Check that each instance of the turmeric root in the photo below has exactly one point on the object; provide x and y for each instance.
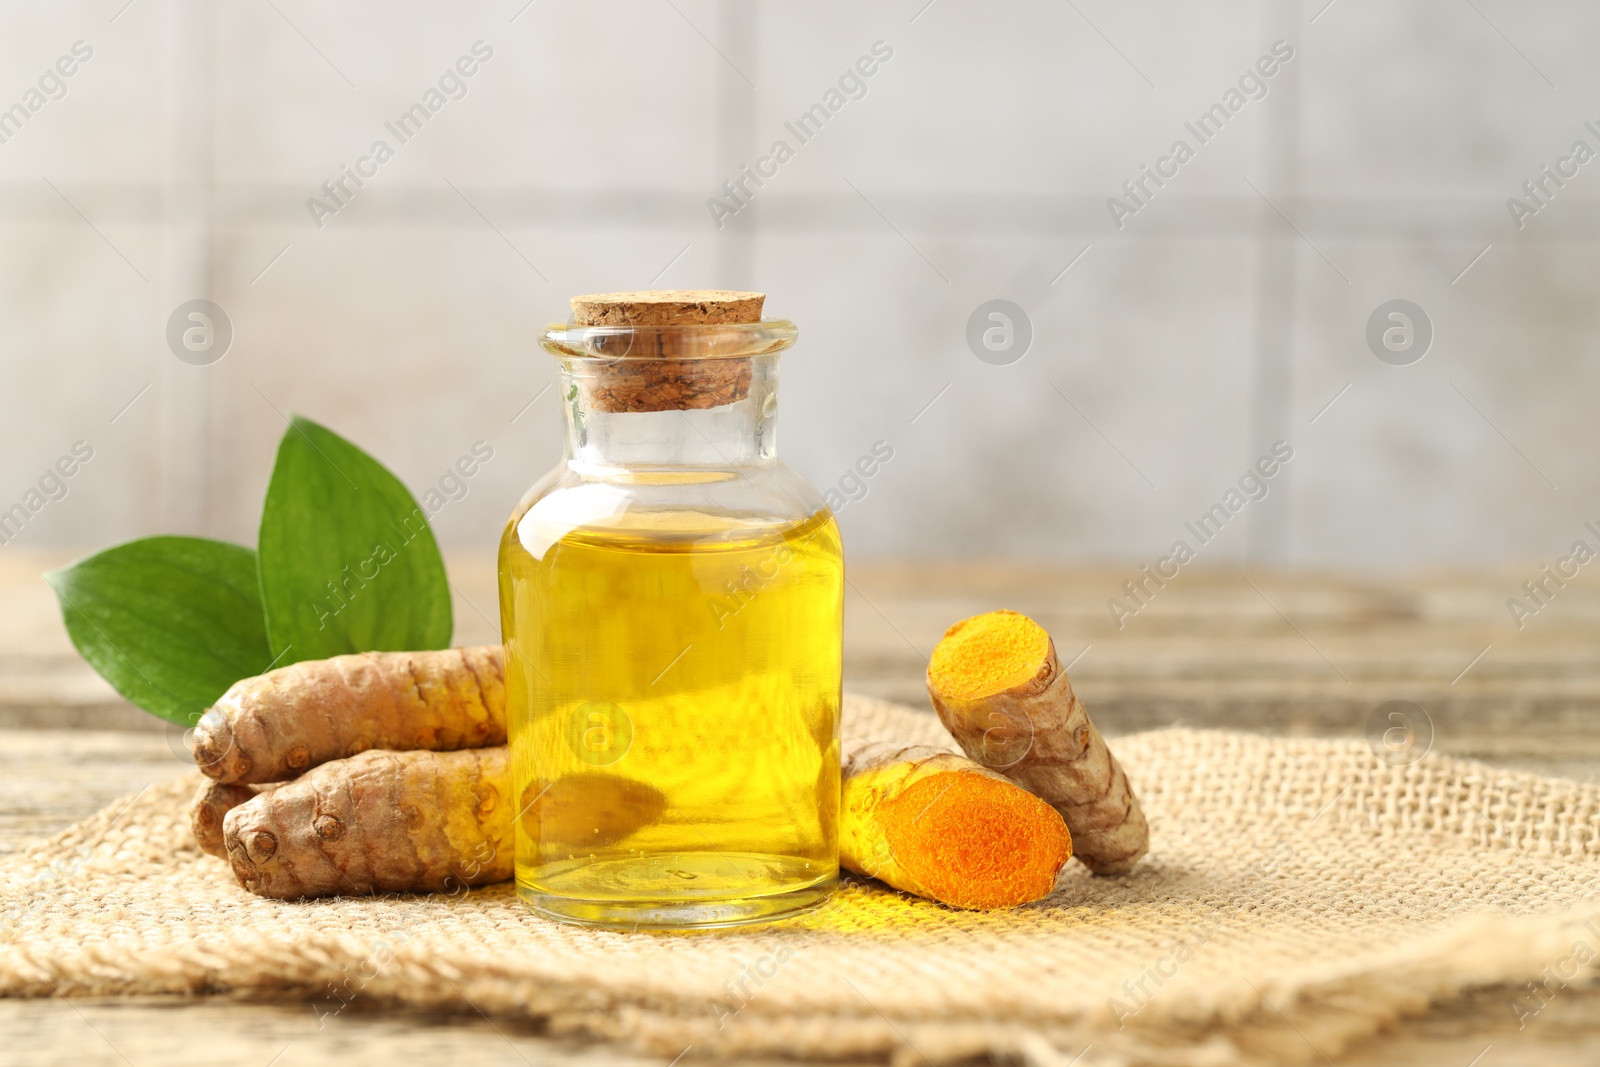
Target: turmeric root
(212, 801)
(1000, 691)
(273, 727)
(938, 825)
(588, 810)
(378, 822)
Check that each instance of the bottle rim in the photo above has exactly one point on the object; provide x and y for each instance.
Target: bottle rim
(696, 341)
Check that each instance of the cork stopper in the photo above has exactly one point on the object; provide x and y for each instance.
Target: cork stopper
(667, 307)
(656, 369)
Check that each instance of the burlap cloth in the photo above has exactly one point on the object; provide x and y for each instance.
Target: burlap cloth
(1297, 895)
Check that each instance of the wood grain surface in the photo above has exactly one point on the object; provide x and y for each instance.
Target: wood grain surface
(1290, 654)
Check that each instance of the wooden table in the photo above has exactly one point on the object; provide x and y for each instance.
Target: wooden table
(1299, 654)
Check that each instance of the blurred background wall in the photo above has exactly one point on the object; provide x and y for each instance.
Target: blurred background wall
(1228, 312)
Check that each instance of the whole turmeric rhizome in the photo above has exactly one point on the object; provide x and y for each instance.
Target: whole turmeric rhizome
(387, 772)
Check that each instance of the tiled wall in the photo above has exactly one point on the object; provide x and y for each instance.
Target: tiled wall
(1224, 315)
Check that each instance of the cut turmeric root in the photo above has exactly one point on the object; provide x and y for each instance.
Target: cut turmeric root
(279, 724)
(378, 822)
(999, 689)
(938, 825)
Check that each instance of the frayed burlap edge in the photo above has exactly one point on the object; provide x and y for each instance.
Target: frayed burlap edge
(1277, 1024)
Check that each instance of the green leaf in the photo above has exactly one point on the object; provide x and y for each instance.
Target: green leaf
(170, 622)
(348, 561)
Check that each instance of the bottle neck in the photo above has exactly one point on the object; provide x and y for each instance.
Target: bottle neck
(739, 433)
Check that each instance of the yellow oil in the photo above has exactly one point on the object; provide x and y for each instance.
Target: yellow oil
(673, 683)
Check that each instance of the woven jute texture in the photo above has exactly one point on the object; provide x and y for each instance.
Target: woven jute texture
(1298, 895)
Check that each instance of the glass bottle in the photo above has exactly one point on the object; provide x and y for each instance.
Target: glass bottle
(671, 602)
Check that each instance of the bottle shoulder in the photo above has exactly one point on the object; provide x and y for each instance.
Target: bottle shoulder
(681, 502)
